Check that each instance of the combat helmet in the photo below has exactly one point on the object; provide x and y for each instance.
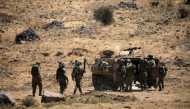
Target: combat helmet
(150, 56)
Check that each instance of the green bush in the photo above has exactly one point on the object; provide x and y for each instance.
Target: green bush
(104, 15)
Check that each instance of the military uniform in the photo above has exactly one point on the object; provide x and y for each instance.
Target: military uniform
(77, 75)
(128, 71)
(130, 68)
(61, 78)
(162, 73)
(36, 79)
(151, 80)
(123, 77)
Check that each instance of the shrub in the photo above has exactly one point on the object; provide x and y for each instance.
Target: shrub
(187, 2)
(104, 15)
(29, 101)
(182, 13)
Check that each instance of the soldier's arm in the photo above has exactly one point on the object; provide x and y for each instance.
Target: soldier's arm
(67, 80)
(57, 75)
(72, 75)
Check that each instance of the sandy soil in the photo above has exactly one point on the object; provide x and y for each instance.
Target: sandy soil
(157, 30)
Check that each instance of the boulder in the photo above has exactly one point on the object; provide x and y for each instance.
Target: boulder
(127, 5)
(78, 52)
(51, 97)
(6, 99)
(27, 35)
(87, 30)
(54, 24)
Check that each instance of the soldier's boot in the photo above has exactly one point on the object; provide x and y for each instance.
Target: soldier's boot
(34, 89)
(163, 84)
(40, 88)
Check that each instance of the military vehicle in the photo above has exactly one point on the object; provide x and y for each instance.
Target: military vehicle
(106, 73)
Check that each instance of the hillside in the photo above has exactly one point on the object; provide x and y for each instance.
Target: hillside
(159, 31)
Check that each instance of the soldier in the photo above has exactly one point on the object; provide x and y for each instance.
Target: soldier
(162, 73)
(130, 71)
(77, 75)
(152, 71)
(61, 77)
(151, 61)
(36, 78)
(123, 75)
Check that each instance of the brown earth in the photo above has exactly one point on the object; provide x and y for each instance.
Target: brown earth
(157, 30)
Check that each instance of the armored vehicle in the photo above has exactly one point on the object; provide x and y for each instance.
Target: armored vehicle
(106, 74)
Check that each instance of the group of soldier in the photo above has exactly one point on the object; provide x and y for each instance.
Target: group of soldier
(61, 77)
(148, 72)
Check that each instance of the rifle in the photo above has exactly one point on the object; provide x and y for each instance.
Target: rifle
(131, 50)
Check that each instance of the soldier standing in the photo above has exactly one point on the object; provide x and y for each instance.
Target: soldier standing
(61, 77)
(36, 78)
(77, 75)
(130, 73)
(151, 80)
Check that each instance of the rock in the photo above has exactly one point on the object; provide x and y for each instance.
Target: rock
(6, 18)
(4, 72)
(58, 53)
(77, 52)
(27, 35)
(87, 30)
(127, 5)
(45, 54)
(155, 3)
(51, 97)
(29, 101)
(53, 24)
(6, 99)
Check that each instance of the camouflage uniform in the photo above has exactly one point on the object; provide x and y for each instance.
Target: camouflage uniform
(151, 80)
(123, 78)
(77, 76)
(62, 78)
(128, 70)
(162, 73)
(36, 79)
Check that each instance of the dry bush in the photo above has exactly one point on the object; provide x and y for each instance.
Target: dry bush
(104, 15)
(182, 13)
(187, 2)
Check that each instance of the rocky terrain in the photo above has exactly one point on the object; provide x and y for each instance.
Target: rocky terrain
(162, 31)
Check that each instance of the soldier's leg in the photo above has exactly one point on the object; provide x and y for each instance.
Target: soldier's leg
(160, 86)
(131, 86)
(40, 88)
(34, 85)
(75, 90)
(163, 84)
(80, 89)
(79, 86)
(61, 88)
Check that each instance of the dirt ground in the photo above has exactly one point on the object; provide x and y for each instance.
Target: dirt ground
(157, 30)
